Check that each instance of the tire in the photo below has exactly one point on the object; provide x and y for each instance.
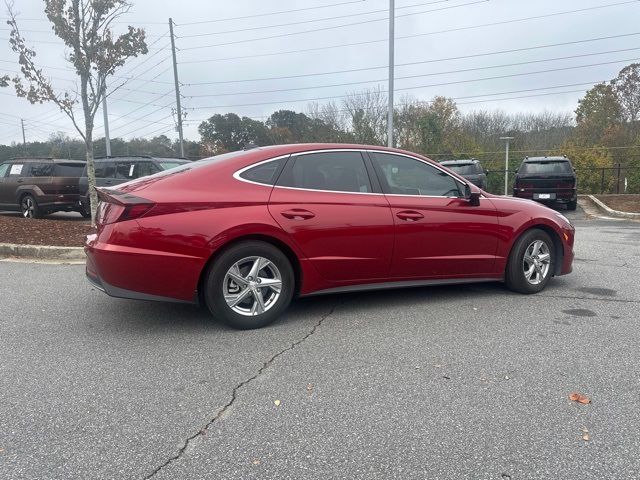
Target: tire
(522, 275)
(572, 205)
(232, 273)
(84, 213)
(29, 207)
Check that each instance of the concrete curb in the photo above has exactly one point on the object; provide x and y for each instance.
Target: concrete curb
(42, 252)
(611, 212)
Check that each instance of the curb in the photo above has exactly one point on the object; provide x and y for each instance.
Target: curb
(611, 212)
(42, 252)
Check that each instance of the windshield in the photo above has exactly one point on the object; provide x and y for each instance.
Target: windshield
(168, 165)
(464, 169)
(546, 167)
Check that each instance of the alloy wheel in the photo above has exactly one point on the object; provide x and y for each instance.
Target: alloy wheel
(536, 262)
(252, 286)
(28, 207)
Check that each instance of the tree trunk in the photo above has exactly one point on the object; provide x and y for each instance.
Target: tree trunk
(91, 177)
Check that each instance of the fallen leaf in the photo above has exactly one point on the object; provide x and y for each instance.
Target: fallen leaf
(586, 437)
(276, 403)
(580, 398)
(309, 387)
(256, 461)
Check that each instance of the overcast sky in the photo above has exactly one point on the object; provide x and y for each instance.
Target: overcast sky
(436, 31)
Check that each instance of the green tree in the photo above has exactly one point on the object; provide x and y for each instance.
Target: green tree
(598, 111)
(589, 164)
(94, 51)
(229, 132)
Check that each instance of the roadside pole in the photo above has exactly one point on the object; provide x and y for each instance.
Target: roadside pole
(24, 139)
(105, 114)
(177, 87)
(392, 15)
(506, 165)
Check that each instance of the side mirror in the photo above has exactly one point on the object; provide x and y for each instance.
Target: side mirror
(472, 197)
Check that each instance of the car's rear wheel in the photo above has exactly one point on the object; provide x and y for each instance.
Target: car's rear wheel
(249, 285)
(531, 262)
(29, 207)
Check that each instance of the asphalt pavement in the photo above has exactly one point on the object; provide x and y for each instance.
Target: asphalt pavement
(443, 383)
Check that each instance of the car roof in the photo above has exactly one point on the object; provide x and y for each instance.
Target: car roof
(546, 159)
(45, 159)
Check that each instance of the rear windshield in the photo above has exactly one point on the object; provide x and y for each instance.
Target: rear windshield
(464, 169)
(69, 169)
(546, 167)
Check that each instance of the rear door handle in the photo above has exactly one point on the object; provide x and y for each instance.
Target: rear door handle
(20, 180)
(298, 214)
(409, 215)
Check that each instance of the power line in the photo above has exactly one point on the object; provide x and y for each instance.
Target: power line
(460, 57)
(280, 35)
(260, 15)
(423, 86)
(315, 20)
(504, 22)
(412, 76)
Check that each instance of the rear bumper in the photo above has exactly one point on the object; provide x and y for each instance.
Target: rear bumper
(140, 274)
(556, 195)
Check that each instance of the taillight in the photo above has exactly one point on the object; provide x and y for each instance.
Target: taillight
(118, 208)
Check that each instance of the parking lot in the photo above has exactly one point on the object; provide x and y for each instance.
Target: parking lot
(448, 382)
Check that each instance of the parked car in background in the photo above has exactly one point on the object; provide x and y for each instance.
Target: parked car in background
(39, 186)
(550, 180)
(470, 169)
(115, 170)
(245, 232)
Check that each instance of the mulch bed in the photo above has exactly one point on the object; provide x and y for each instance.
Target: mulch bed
(61, 233)
(622, 203)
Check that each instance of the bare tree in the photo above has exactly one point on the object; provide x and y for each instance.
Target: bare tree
(85, 27)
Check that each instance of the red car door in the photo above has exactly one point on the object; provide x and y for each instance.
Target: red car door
(438, 233)
(326, 203)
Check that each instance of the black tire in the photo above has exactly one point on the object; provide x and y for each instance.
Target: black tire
(29, 207)
(84, 213)
(572, 205)
(515, 277)
(214, 283)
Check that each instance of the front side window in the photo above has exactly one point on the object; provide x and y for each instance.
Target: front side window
(105, 169)
(334, 171)
(125, 170)
(17, 170)
(264, 173)
(408, 176)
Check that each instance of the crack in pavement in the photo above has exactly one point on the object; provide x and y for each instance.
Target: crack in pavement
(570, 297)
(234, 394)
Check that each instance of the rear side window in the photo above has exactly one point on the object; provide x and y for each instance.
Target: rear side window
(333, 171)
(464, 169)
(105, 169)
(132, 170)
(168, 165)
(561, 166)
(69, 169)
(41, 170)
(264, 173)
(4, 168)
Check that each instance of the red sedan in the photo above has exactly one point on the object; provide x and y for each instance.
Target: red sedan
(245, 232)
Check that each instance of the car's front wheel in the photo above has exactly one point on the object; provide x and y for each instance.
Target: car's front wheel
(29, 207)
(249, 285)
(531, 262)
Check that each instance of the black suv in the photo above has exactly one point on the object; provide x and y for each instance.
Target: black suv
(470, 169)
(115, 170)
(547, 180)
(39, 186)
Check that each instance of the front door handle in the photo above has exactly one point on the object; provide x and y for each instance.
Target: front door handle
(20, 180)
(409, 215)
(297, 214)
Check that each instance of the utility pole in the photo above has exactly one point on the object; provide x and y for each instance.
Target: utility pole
(392, 18)
(24, 139)
(177, 85)
(107, 140)
(506, 165)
